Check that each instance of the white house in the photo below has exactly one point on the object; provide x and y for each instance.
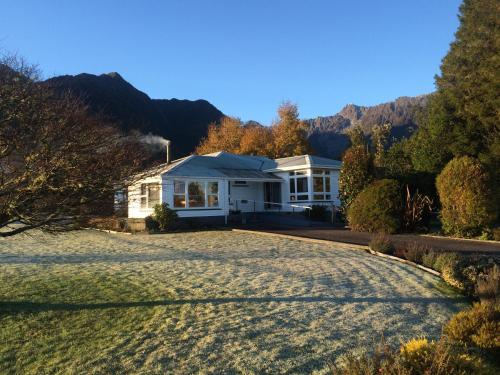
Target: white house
(220, 183)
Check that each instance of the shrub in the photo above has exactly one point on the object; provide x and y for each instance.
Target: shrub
(164, 216)
(416, 210)
(377, 208)
(416, 357)
(151, 224)
(496, 234)
(429, 259)
(477, 326)
(488, 285)
(414, 252)
(317, 212)
(466, 200)
(382, 244)
(443, 259)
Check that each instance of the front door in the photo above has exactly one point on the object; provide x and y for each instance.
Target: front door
(272, 195)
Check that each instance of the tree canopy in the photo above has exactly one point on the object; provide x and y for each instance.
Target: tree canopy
(286, 137)
(58, 165)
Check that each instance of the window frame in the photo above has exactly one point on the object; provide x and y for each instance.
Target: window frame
(145, 195)
(206, 194)
(326, 192)
(293, 177)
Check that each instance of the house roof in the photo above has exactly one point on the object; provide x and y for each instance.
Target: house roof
(238, 167)
(304, 161)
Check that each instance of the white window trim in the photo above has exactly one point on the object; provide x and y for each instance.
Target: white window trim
(292, 179)
(147, 208)
(325, 192)
(186, 195)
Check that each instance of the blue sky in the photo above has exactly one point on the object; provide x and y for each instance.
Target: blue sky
(245, 57)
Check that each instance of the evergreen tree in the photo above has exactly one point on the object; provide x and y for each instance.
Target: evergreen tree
(464, 115)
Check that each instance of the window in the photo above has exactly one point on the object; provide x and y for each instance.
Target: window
(298, 186)
(321, 185)
(213, 194)
(150, 195)
(196, 194)
(179, 194)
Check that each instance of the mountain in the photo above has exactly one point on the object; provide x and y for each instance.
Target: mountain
(328, 135)
(184, 122)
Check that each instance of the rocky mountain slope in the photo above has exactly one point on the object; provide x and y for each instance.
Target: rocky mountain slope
(184, 122)
(328, 137)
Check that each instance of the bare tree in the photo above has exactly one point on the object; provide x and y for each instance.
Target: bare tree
(58, 164)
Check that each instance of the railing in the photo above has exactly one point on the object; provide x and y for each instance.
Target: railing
(255, 202)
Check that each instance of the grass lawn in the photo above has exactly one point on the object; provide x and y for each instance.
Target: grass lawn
(202, 302)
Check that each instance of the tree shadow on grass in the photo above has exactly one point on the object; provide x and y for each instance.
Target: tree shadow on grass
(9, 307)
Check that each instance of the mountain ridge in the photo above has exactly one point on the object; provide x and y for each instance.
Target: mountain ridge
(185, 122)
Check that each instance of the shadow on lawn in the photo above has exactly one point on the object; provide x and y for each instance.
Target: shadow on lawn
(7, 307)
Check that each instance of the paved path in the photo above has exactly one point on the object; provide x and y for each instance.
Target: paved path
(399, 240)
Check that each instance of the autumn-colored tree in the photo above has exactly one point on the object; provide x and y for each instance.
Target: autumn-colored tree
(287, 137)
(289, 133)
(225, 136)
(257, 140)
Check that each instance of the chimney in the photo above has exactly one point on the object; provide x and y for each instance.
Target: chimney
(169, 153)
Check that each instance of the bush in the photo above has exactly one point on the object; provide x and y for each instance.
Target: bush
(488, 285)
(416, 357)
(429, 259)
(164, 216)
(466, 201)
(478, 326)
(414, 252)
(377, 208)
(317, 212)
(382, 244)
(151, 224)
(496, 234)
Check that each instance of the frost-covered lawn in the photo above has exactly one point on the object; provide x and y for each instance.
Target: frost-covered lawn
(202, 302)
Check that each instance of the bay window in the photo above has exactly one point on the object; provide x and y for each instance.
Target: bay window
(196, 194)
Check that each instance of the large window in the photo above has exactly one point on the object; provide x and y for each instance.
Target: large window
(196, 194)
(150, 195)
(298, 186)
(321, 185)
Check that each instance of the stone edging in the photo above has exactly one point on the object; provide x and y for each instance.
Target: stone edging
(343, 245)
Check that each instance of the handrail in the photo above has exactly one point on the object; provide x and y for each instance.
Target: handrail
(276, 204)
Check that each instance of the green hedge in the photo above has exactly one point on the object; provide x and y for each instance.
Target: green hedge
(377, 208)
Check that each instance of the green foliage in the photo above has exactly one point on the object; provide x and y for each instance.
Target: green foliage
(416, 357)
(355, 175)
(488, 285)
(164, 216)
(382, 243)
(477, 326)
(317, 212)
(377, 208)
(467, 205)
(151, 224)
(414, 252)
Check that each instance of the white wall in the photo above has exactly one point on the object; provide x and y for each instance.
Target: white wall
(285, 192)
(134, 199)
(252, 193)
